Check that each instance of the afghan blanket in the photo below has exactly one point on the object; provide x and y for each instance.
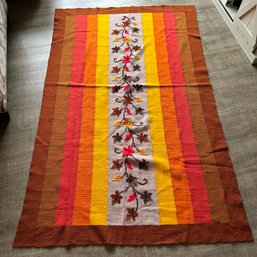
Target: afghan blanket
(129, 149)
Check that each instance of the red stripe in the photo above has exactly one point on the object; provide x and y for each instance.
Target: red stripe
(191, 159)
(71, 146)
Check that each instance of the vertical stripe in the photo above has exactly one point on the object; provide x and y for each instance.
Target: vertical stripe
(211, 174)
(166, 202)
(81, 212)
(53, 165)
(191, 159)
(180, 185)
(98, 208)
(71, 147)
(218, 142)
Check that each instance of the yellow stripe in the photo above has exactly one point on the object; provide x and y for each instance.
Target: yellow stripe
(98, 208)
(166, 202)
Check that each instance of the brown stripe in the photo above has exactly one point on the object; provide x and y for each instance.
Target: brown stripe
(135, 235)
(219, 146)
(211, 174)
(38, 164)
(56, 147)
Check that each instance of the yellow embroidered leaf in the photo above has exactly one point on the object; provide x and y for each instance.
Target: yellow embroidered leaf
(117, 123)
(135, 23)
(116, 78)
(117, 178)
(137, 57)
(139, 100)
(142, 152)
(116, 39)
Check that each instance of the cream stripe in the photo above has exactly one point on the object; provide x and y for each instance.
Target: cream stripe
(98, 209)
(166, 202)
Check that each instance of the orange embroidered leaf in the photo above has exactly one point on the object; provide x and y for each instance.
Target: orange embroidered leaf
(142, 152)
(138, 100)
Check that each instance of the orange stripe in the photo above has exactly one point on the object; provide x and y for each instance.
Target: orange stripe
(211, 174)
(81, 212)
(179, 176)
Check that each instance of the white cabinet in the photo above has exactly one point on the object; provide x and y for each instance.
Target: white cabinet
(243, 24)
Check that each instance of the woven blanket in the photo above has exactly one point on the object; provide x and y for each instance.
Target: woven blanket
(129, 148)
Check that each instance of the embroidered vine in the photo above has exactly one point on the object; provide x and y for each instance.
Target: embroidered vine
(127, 163)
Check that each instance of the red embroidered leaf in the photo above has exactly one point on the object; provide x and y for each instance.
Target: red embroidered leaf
(131, 198)
(129, 165)
(127, 151)
(126, 31)
(126, 59)
(126, 49)
(128, 111)
(126, 87)
(127, 137)
(126, 69)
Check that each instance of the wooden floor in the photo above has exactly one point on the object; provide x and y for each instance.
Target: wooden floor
(235, 85)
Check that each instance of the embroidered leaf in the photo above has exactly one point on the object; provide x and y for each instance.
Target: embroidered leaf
(136, 48)
(129, 165)
(116, 39)
(143, 165)
(131, 198)
(135, 30)
(131, 214)
(126, 87)
(136, 67)
(126, 49)
(115, 32)
(126, 40)
(142, 138)
(138, 100)
(146, 197)
(126, 59)
(115, 69)
(135, 23)
(139, 88)
(125, 23)
(115, 89)
(139, 110)
(116, 197)
(127, 151)
(128, 111)
(117, 123)
(143, 152)
(117, 178)
(126, 69)
(116, 165)
(131, 180)
(137, 57)
(116, 111)
(126, 31)
(127, 99)
(116, 78)
(127, 137)
(115, 49)
(117, 138)
(128, 123)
